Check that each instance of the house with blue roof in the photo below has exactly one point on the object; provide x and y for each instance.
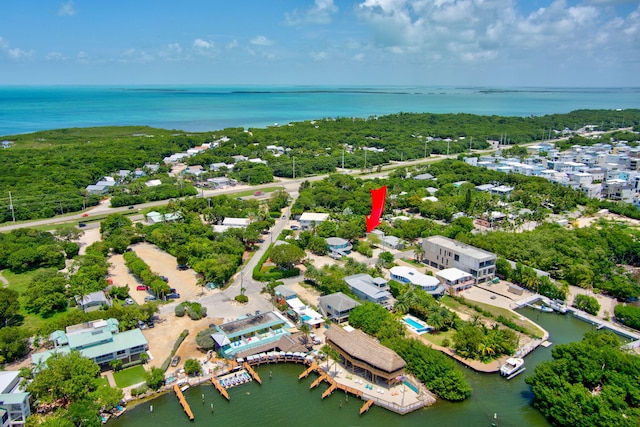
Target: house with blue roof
(14, 401)
(259, 330)
(99, 340)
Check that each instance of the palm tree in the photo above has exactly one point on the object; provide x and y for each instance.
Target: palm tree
(306, 330)
(418, 252)
(332, 354)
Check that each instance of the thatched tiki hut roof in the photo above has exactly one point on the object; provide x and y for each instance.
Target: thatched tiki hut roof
(362, 351)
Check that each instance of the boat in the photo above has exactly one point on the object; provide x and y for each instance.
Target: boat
(184, 387)
(543, 308)
(558, 306)
(513, 364)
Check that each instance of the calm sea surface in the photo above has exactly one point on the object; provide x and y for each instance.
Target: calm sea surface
(33, 108)
(285, 401)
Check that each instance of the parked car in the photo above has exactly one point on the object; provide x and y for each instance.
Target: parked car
(141, 288)
(150, 323)
(182, 267)
(173, 291)
(175, 361)
(82, 224)
(129, 301)
(131, 207)
(165, 278)
(142, 325)
(173, 296)
(149, 298)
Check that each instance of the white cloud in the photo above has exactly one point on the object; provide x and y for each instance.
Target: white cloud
(483, 31)
(201, 45)
(319, 56)
(15, 53)
(319, 13)
(54, 56)
(20, 54)
(232, 44)
(67, 9)
(261, 41)
(358, 57)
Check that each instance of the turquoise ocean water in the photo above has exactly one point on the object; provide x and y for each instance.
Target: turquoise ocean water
(32, 108)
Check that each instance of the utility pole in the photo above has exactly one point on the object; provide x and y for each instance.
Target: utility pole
(13, 214)
(343, 160)
(365, 159)
(448, 144)
(294, 168)
(425, 148)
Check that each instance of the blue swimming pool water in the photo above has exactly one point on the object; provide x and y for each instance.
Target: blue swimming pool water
(413, 323)
(411, 386)
(305, 317)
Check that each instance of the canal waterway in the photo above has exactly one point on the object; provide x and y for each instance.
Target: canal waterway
(282, 400)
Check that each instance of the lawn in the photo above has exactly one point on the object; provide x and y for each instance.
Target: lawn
(495, 311)
(439, 337)
(20, 283)
(252, 192)
(103, 381)
(130, 376)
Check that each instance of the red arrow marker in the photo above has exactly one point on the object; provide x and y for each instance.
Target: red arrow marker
(378, 197)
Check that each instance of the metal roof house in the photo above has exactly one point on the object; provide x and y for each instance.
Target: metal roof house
(455, 280)
(14, 401)
(429, 284)
(251, 331)
(98, 340)
(310, 219)
(92, 301)
(370, 289)
(336, 306)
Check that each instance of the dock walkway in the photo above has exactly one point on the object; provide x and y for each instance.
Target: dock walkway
(183, 401)
(219, 387)
(253, 373)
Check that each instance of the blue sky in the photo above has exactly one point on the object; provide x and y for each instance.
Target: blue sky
(321, 42)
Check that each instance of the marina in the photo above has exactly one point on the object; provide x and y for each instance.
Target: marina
(286, 393)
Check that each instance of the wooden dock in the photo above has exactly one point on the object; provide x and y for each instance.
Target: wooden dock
(253, 373)
(314, 367)
(317, 381)
(183, 401)
(219, 387)
(368, 404)
(351, 390)
(330, 390)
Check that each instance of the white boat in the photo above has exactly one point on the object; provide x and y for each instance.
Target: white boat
(558, 306)
(511, 365)
(542, 308)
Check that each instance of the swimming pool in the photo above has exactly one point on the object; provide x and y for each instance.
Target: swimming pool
(415, 325)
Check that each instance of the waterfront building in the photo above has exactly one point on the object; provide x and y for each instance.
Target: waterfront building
(365, 356)
(441, 252)
(455, 280)
(98, 340)
(14, 401)
(410, 275)
(260, 330)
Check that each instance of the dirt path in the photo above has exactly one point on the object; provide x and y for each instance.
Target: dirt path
(87, 238)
